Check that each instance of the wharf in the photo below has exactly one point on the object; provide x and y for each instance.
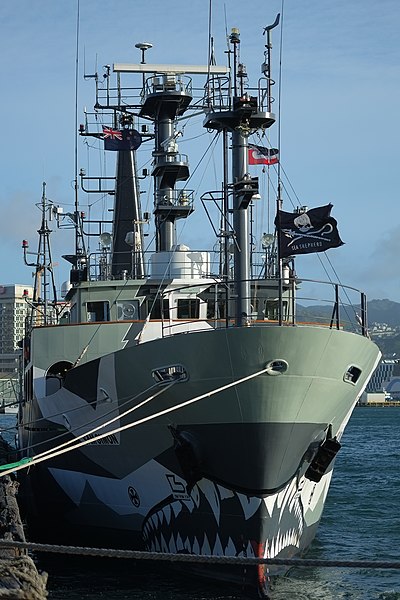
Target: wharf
(378, 404)
(19, 578)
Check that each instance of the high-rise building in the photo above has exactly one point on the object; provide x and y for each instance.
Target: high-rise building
(382, 376)
(14, 307)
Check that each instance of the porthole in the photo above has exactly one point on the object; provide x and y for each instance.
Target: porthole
(170, 374)
(352, 374)
(276, 367)
(55, 376)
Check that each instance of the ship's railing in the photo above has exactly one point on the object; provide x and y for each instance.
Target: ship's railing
(169, 264)
(175, 197)
(218, 94)
(122, 95)
(272, 302)
(115, 97)
(339, 306)
(167, 82)
(172, 157)
(265, 98)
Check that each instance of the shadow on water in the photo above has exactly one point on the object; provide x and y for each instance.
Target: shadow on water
(333, 583)
(81, 578)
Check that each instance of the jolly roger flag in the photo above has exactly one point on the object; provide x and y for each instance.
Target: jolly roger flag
(124, 139)
(311, 231)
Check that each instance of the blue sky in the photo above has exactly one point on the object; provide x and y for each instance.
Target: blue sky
(339, 113)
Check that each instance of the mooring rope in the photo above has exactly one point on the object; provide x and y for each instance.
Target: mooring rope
(105, 424)
(193, 558)
(68, 411)
(30, 461)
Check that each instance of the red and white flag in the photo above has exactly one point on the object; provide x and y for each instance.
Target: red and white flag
(258, 155)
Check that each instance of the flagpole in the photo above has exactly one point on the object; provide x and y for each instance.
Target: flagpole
(279, 250)
(279, 197)
(267, 71)
(76, 196)
(80, 261)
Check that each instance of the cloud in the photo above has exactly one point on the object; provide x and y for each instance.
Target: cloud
(22, 219)
(382, 267)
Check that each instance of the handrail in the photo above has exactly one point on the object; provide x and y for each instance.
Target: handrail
(287, 300)
(269, 306)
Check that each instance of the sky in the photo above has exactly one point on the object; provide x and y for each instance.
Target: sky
(338, 115)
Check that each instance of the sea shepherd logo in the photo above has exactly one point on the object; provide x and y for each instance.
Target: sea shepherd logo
(305, 232)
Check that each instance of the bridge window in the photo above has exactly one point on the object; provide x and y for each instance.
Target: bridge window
(98, 311)
(272, 310)
(155, 308)
(216, 310)
(188, 308)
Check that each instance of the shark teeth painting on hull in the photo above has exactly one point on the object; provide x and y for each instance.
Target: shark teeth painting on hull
(218, 521)
(205, 549)
(210, 492)
(172, 545)
(250, 505)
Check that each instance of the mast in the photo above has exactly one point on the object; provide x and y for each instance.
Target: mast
(43, 267)
(241, 200)
(127, 216)
(127, 248)
(167, 96)
(245, 114)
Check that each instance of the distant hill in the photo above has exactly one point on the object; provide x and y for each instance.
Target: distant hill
(379, 311)
(384, 311)
(389, 346)
(314, 312)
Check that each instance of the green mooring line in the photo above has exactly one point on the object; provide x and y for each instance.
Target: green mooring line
(13, 465)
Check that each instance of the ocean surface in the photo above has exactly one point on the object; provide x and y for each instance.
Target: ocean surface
(361, 521)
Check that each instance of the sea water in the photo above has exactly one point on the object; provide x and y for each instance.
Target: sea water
(361, 521)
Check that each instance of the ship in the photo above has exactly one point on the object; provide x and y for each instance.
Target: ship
(174, 400)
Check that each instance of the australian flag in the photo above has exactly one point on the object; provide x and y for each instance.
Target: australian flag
(305, 232)
(258, 155)
(121, 139)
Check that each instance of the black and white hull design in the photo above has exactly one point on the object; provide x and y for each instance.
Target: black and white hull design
(194, 466)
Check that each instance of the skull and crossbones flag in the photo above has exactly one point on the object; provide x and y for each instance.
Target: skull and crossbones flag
(305, 232)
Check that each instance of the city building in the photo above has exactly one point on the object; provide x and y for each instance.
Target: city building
(385, 383)
(14, 308)
(382, 376)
